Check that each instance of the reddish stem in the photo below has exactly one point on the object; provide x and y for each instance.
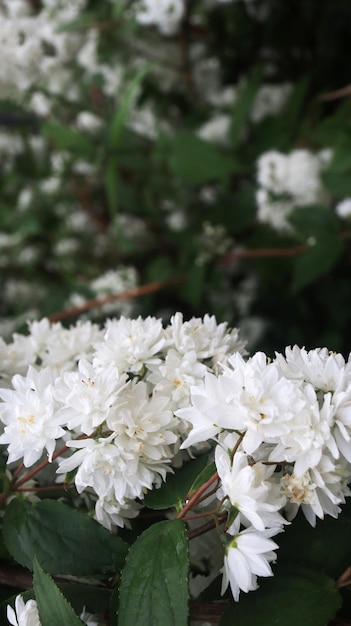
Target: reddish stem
(195, 498)
(37, 469)
(126, 295)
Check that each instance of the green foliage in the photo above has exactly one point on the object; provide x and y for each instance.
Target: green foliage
(154, 587)
(58, 535)
(175, 489)
(53, 608)
(294, 596)
(197, 161)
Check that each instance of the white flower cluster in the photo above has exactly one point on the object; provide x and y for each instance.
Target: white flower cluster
(270, 100)
(165, 14)
(287, 181)
(109, 395)
(24, 41)
(283, 441)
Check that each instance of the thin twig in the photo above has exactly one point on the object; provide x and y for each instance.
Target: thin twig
(195, 498)
(126, 295)
(335, 95)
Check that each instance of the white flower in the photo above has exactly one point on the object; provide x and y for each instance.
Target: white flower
(129, 344)
(343, 208)
(109, 512)
(288, 181)
(265, 401)
(211, 409)
(29, 414)
(166, 14)
(206, 337)
(250, 490)
(174, 377)
(323, 369)
(319, 491)
(136, 453)
(87, 396)
(270, 100)
(247, 556)
(216, 130)
(272, 171)
(24, 613)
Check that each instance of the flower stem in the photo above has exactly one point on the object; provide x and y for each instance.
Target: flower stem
(197, 495)
(35, 470)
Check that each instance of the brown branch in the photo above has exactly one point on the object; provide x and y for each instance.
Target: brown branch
(335, 95)
(345, 579)
(195, 498)
(209, 612)
(258, 253)
(126, 295)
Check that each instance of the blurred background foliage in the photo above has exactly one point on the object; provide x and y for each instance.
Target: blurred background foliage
(201, 143)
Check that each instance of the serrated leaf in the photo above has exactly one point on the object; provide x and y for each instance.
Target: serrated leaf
(316, 261)
(53, 608)
(59, 536)
(293, 596)
(197, 161)
(173, 492)
(154, 585)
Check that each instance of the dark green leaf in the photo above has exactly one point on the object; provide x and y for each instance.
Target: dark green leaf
(294, 596)
(315, 543)
(53, 608)
(203, 477)
(66, 138)
(124, 107)
(193, 287)
(197, 161)
(338, 183)
(243, 105)
(316, 261)
(59, 536)
(154, 586)
(311, 221)
(173, 492)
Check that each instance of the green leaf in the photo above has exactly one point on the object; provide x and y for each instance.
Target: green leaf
(326, 548)
(243, 105)
(193, 287)
(292, 597)
(341, 161)
(316, 261)
(53, 608)
(154, 586)
(313, 221)
(173, 492)
(111, 186)
(66, 138)
(338, 183)
(59, 536)
(197, 161)
(124, 107)
(203, 477)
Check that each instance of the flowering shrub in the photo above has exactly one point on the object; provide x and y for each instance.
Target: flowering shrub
(195, 153)
(135, 440)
